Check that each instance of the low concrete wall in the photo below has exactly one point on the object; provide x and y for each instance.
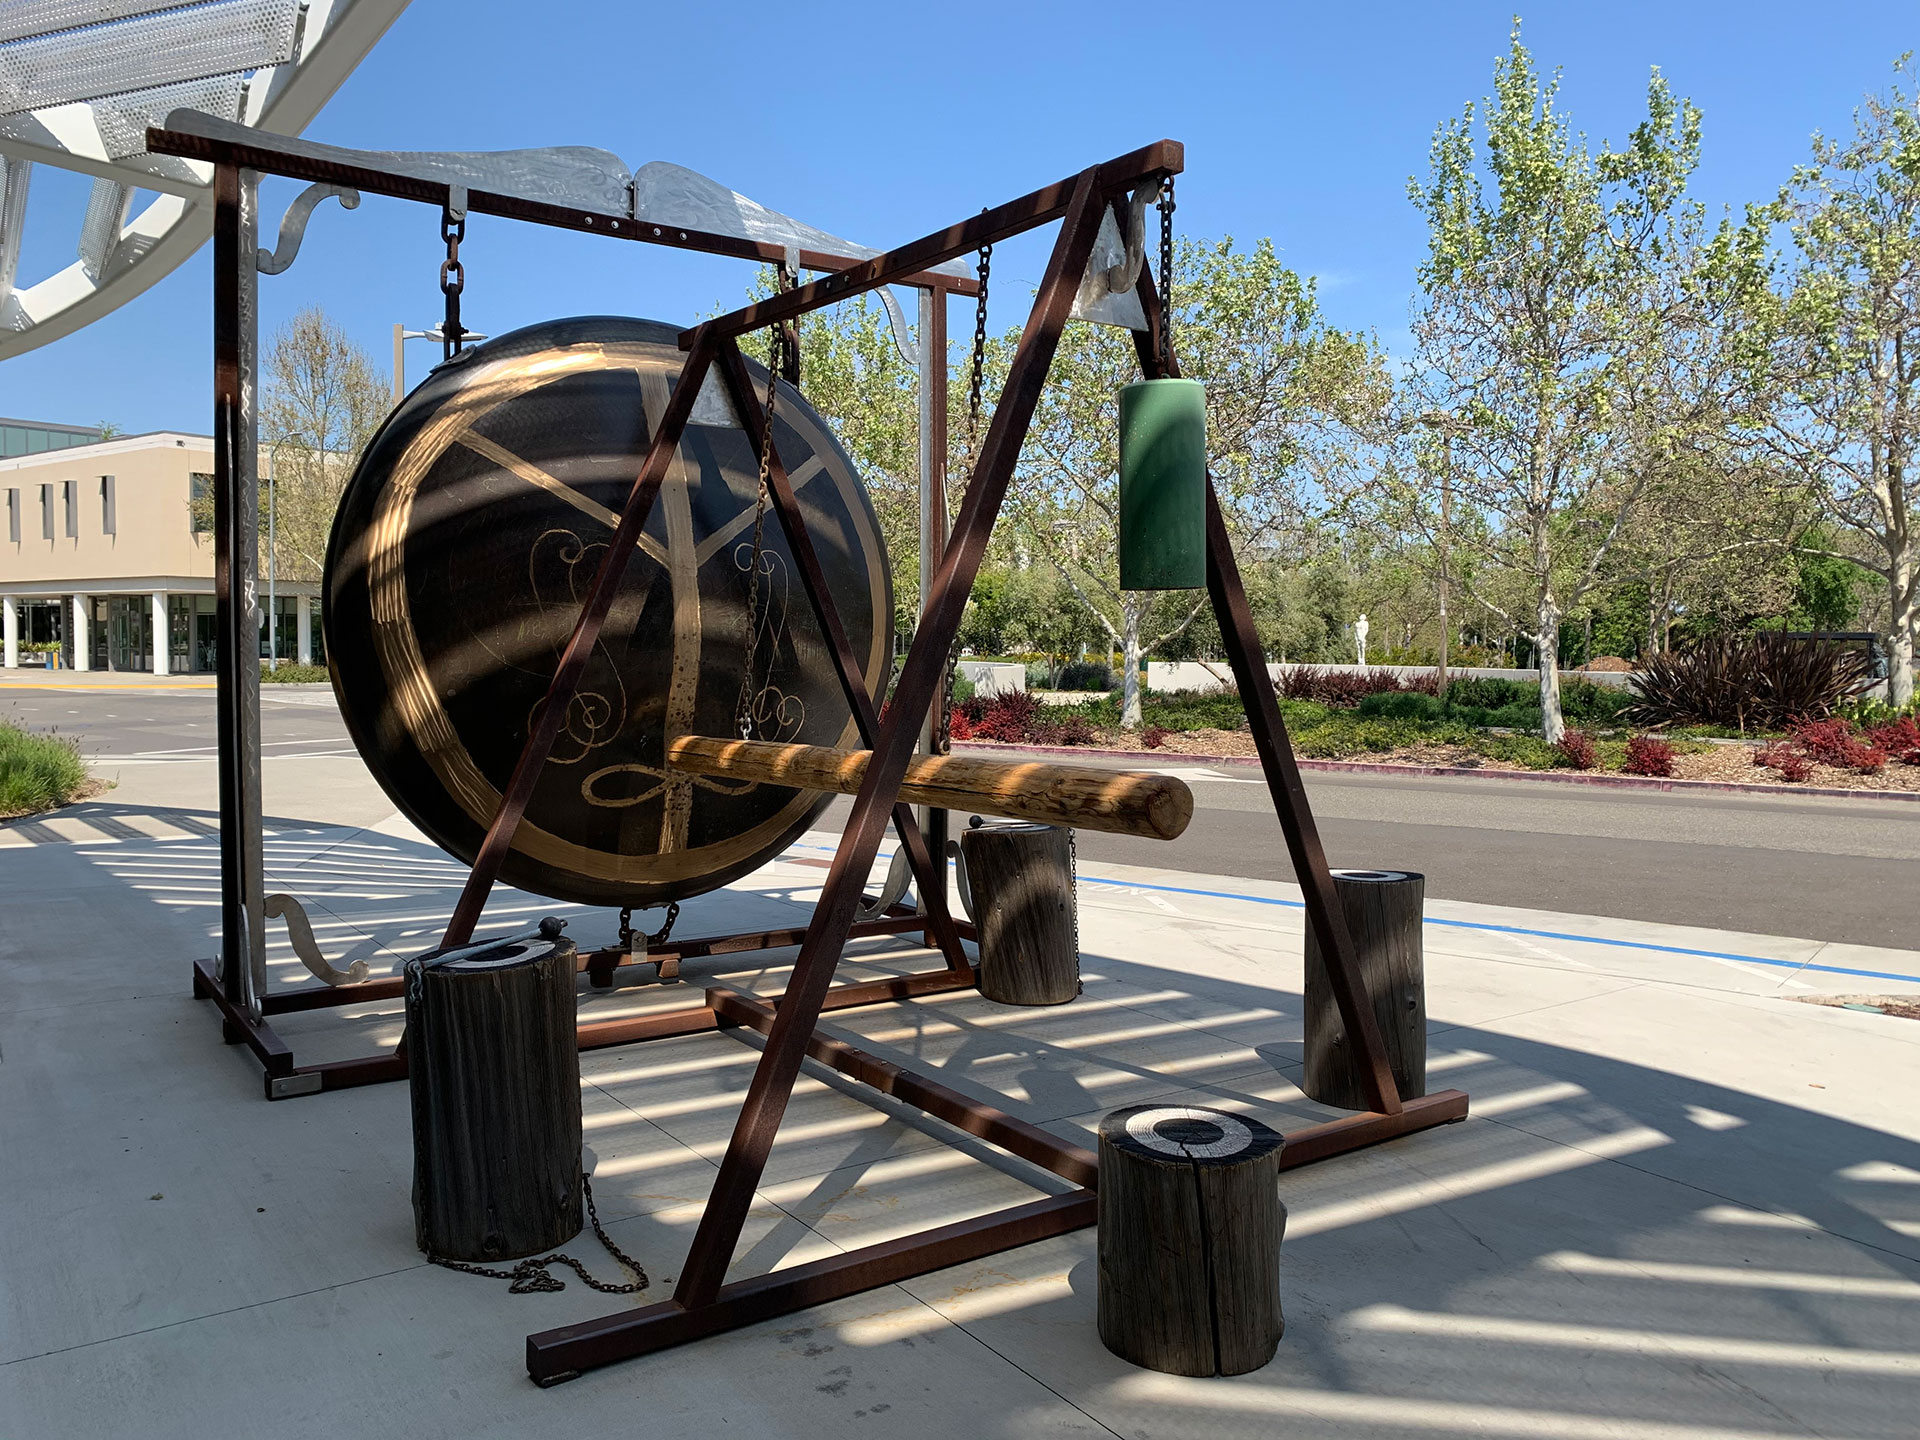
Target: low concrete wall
(1168, 675)
(990, 678)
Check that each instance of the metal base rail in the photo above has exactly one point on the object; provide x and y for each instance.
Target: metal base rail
(285, 1079)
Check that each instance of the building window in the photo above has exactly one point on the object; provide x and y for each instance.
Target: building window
(13, 516)
(70, 493)
(46, 512)
(109, 523)
(200, 503)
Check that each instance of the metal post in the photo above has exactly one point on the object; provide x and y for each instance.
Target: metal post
(933, 521)
(399, 364)
(236, 584)
(273, 558)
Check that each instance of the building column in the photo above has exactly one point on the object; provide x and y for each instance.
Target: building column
(82, 611)
(13, 631)
(303, 628)
(162, 637)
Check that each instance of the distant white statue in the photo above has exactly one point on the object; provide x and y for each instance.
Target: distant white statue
(1360, 628)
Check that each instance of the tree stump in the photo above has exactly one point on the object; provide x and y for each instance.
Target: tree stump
(1383, 910)
(1021, 879)
(1189, 1244)
(494, 1066)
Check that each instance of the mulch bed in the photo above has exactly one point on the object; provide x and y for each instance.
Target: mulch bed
(1726, 763)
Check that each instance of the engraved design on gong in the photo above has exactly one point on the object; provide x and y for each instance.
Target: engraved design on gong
(560, 566)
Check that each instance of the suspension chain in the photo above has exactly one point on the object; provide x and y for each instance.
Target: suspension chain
(453, 279)
(1166, 274)
(979, 350)
(530, 1276)
(779, 356)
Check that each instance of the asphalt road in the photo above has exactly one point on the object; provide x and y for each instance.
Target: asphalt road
(1827, 869)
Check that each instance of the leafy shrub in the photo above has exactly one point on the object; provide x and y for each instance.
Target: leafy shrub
(1154, 736)
(1592, 704)
(1490, 692)
(37, 772)
(1782, 757)
(1577, 751)
(1648, 755)
(1401, 705)
(963, 688)
(1833, 742)
(1899, 738)
(1008, 718)
(288, 673)
(1074, 730)
(1039, 675)
(1760, 681)
(960, 724)
(1086, 675)
(1347, 688)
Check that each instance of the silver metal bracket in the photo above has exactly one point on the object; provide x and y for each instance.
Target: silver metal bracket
(293, 225)
(285, 1087)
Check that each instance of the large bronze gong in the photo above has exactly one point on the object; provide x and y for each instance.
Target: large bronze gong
(464, 546)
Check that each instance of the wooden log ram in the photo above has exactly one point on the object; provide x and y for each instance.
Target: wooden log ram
(1121, 802)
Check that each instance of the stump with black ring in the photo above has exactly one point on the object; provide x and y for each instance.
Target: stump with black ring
(1384, 914)
(493, 1063)
(1189, 1245)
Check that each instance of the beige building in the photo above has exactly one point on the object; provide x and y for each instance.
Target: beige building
(105, 567)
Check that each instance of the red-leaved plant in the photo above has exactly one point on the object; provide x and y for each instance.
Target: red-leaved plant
(1648, 755)
(1576, 750)
(1780, 756)
(1833, 742)
(1899, 738)
(1154, 736)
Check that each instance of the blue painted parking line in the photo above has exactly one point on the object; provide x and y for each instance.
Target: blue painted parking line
(1510, 930)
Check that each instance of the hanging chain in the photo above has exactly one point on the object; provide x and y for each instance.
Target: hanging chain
(780, 348)
(1166, 275)
(627, 932)
(530, 1276)
(453, 279)
(979, 350)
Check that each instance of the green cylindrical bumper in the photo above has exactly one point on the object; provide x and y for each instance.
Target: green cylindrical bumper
(1163, 485)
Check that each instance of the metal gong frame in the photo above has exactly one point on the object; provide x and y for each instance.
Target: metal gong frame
(236, 983)
(704, 1303)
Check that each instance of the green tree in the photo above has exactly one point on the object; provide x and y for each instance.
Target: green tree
(1842, 330)
(1547, 291)
(1283, 391)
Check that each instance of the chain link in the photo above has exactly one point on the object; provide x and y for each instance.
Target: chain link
(1166, 274)
(453, 279)
(979, 351)
(530, 1276)
(781, 353)
(627, 932)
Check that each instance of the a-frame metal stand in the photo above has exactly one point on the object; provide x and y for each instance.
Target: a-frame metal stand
(703, 1303)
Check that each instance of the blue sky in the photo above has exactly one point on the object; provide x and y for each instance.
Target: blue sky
(883, 121)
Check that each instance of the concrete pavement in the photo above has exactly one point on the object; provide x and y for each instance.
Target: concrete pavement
(1683, 1209)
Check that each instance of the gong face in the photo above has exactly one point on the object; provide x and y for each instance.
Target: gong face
(464, 548)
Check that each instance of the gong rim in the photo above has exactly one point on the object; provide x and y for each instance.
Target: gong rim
(409, 709)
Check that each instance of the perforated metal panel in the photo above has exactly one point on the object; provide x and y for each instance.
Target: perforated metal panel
(123, 119)
(44, 17)
(144, 52)
(100, 231)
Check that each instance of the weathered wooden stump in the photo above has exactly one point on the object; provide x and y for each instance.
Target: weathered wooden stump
(494, 1065)
(1021, 879)
(1190, 1229)
(1383, 910)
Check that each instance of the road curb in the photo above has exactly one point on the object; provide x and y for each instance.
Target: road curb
(1548, 777)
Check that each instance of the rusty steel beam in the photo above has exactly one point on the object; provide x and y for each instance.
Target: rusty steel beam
(1150, 162)
(1355, 1132)
(563, 1353)
(943, 1102)
(586, 633)
(931, 881)
(923, 672)
(1228, 595)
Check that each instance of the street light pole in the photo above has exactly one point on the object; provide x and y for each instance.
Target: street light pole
(273, 557)
(401, 334)
(1446, 426)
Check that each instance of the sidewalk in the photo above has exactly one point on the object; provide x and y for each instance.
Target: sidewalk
(1683, 1207)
